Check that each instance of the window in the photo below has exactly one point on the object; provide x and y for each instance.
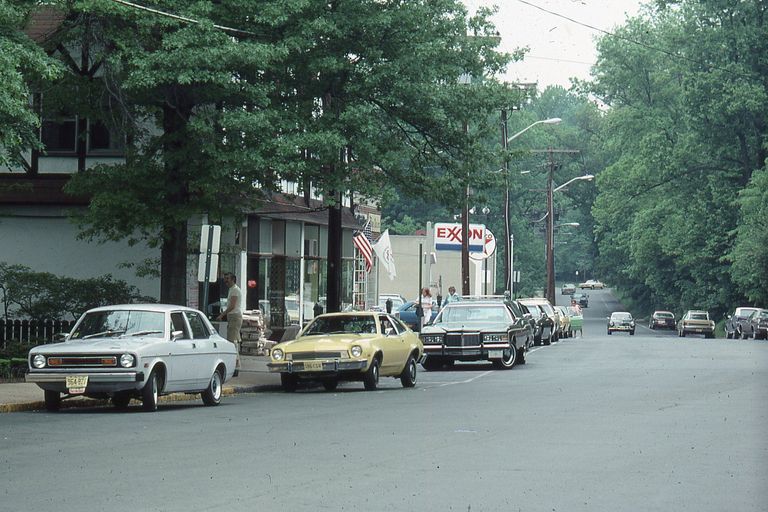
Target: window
(103, 140)
(59, 136)
(199, 330)
(177, 319)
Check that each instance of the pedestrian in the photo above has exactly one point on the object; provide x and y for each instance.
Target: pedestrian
(575, 307)
(452, 295)
(233, 313)
(426, 307)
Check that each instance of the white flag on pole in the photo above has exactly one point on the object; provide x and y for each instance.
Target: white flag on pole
(383, 250)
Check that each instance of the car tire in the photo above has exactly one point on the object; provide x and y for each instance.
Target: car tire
(212, 394)
(408, 376)
(330, 384)
(536, 341)
(52, 401)
(728, 334)
(371, 376)
(609, 332)
(121, 399)
(508, 359)
(431, 363)
(521, 353)
(289, 382)
(150, 392)
(632, 333)
(744, 335)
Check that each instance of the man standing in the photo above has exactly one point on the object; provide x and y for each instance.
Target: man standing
(233, 313)
(452, 296)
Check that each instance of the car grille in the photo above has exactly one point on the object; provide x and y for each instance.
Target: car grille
(311, 356)
(97, 361)
(462, 339)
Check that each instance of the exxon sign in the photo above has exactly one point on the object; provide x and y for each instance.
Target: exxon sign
(448, 237)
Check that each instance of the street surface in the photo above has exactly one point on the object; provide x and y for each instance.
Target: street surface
(594, 423)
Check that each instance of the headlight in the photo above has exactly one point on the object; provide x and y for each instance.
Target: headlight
(494, 337)
(632, 323)
(356, 351)
(127, 360)
(38, 361)
(610, 323)
(277, 354)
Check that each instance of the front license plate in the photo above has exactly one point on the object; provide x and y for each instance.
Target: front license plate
(313, 366)
(76, 384)
(495, 354)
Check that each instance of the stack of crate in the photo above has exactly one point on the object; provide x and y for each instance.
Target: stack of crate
(253, 334)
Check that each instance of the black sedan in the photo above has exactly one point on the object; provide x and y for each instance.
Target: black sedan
(582, 299)
(662, 320)
(757, 325)
(476, 330)
(735, 324)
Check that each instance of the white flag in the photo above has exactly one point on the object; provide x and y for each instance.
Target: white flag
(383, 250)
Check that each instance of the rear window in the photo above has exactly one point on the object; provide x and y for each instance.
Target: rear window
(664, 315)
(699, 316)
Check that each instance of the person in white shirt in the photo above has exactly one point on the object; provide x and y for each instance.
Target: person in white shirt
(233, 313)
(426, 307)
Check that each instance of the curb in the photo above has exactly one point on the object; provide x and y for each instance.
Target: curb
(173, 397)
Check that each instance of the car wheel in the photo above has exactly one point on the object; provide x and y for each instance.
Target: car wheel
(330, 384)
(121, 400)
(632, 333)
(289, 382)
(520, 356)
(212, 394)
(728, 334)
(507, 360)
(408, 377)
(150, 393)
(609, 332)
(536, 341)
(431, 363)
(744, 335)
(52, 401)
(371, 376)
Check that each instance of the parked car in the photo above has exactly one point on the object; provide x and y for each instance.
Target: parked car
(476, 330)
(551, 312)
(351, 346)
(544, 322)
(592, 284)
(582, 299)
(135, 351)
(621, 321)
(734, 324)
(696, 322)
(758, 324)
(407, 314)
(565, 321)
(662, 320)
(568, 289)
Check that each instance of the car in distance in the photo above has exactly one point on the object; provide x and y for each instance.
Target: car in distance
(568, 289)
(582, 299)
(476, 330)
(735, 323)
(592, 284)
(758, 325)
(662, 320)
(349, 346)
(621, 321)
(137, 351)
(696, 322)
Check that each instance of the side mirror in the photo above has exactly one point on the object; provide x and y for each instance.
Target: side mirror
(175, 335)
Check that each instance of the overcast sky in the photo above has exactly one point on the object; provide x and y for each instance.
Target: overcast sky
(559, 49)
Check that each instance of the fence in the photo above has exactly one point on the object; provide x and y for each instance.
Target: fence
(32, 331)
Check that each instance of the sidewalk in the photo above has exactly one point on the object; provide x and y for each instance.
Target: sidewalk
(253, 376)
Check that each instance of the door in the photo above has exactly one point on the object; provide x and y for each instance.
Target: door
(204, 353)
(182, 357)
(394, 344)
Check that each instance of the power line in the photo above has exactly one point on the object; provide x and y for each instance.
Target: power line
(639, 43)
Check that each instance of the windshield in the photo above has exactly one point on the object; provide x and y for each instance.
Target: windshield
(348, 324)
(474, 313)
(761, 314)
(621, 316)
(120, 323)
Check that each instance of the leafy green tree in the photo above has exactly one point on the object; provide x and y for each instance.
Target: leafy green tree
(22, 62)
(749, 255)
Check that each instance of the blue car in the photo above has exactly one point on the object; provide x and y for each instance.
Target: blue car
(407, 314)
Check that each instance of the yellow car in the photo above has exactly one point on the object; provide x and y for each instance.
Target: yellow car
(358, 346)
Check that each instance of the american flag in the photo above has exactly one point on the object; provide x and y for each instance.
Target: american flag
(363, 244)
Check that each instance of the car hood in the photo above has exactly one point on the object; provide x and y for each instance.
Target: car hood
(97, 345)
(323, 343)
(465, 326)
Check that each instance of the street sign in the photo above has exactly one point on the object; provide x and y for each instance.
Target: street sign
(448, 237)
(210, 238)
(215, 239)
(488, 249)
(213, 270)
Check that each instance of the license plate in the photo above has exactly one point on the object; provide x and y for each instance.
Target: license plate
(76, 384)
(313, 366)
(495, 354)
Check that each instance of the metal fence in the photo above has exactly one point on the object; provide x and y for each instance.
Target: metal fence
(32, 331)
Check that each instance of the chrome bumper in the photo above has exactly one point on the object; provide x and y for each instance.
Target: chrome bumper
(328, 366)
(95, 378)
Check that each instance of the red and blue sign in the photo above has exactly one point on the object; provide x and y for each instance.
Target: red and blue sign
(448, 237)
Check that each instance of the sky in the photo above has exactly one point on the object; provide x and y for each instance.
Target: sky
(559, 49)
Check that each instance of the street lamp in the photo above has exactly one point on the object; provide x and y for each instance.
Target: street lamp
(550, 289)
(508, 263)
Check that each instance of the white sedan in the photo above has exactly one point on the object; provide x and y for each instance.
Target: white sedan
(592, 284)
(135, 351)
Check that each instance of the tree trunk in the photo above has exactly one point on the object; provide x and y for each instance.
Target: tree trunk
(173, 265)
(333, 286)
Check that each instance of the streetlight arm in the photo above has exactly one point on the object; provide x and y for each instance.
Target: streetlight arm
(554, 120)
(588, 177)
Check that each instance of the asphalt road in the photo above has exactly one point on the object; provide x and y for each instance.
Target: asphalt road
(597, 423)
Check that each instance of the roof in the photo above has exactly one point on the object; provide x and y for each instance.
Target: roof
(162, 308)
(44, 22)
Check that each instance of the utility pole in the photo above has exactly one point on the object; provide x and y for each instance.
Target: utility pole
(465, 235)
(508, 277)
(550, 290)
